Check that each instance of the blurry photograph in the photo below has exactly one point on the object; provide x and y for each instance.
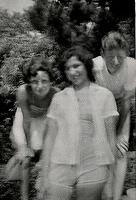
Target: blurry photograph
(68, 99)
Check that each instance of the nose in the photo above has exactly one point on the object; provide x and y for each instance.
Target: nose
(72, 71)
(116, 62)
(39, 85)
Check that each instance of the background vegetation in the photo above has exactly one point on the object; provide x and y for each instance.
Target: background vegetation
(49, 28)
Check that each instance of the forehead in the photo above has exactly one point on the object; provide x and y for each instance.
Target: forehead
(41, 75)
(72, 60)
(115, 52)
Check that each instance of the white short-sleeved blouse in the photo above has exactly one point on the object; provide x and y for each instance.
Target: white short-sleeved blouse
(64, 109)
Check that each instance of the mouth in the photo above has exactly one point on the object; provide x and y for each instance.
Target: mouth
(113, 68)
(40, 92)
(76, 77)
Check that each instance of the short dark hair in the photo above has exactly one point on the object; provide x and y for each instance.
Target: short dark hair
(83, 55)
(37, 63)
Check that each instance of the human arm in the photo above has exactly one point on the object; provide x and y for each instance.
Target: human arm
(110, 124)
(46, 156)
(123, 105)
(22, 101)
(21, 125)
(128, 94)
(110, 119)
(115, 181)
(110, 115)
(124, 109)
(17, 135)
(49, 140)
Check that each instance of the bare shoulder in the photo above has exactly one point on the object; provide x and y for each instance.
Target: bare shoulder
(21, 93)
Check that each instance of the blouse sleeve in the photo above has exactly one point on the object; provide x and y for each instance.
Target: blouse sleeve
(110, 107)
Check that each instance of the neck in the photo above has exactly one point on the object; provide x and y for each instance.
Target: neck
(41, 98)
(79, 87)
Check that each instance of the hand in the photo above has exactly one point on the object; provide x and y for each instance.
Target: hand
(129, 94)
(121, 146)
(24, 152)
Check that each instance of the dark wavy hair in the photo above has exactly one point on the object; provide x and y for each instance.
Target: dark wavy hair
(37, 63)
(83, 55)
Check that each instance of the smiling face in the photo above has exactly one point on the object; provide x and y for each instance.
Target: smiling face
(76, 72)
(114, 59)
(40, 84)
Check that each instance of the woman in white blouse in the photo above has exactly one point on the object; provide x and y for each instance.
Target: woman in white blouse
(79, 146)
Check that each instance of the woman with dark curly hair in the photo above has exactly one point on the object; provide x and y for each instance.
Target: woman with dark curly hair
(34, 98)
(79, 145)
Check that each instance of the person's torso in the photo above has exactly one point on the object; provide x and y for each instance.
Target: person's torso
(87, 133)
(114, 82)
(72, 121)
(38, 108)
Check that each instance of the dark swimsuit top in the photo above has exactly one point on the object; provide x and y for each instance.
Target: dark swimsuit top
(39, 109)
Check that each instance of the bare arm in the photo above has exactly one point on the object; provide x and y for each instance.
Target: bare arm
(124, 109)
(22, 101)
(49, 141)
(22, 124)
(110, 124)
(46, 155)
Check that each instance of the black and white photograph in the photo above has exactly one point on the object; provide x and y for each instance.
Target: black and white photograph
(68, 99)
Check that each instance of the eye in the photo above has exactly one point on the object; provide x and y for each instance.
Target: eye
(110, 57)
(121, 57)
(34, 82)
(76, 66)
(44, 81)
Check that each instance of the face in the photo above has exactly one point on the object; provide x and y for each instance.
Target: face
(83, 2)
(114, 59)
(40, 84)
(76, 72)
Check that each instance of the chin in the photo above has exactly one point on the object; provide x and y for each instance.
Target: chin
(44, 94)
(39, 95)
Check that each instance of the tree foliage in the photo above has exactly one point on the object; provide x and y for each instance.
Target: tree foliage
(15, 24)
(122, 9)
(18, 43)
(66, 20)
(38, 15)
